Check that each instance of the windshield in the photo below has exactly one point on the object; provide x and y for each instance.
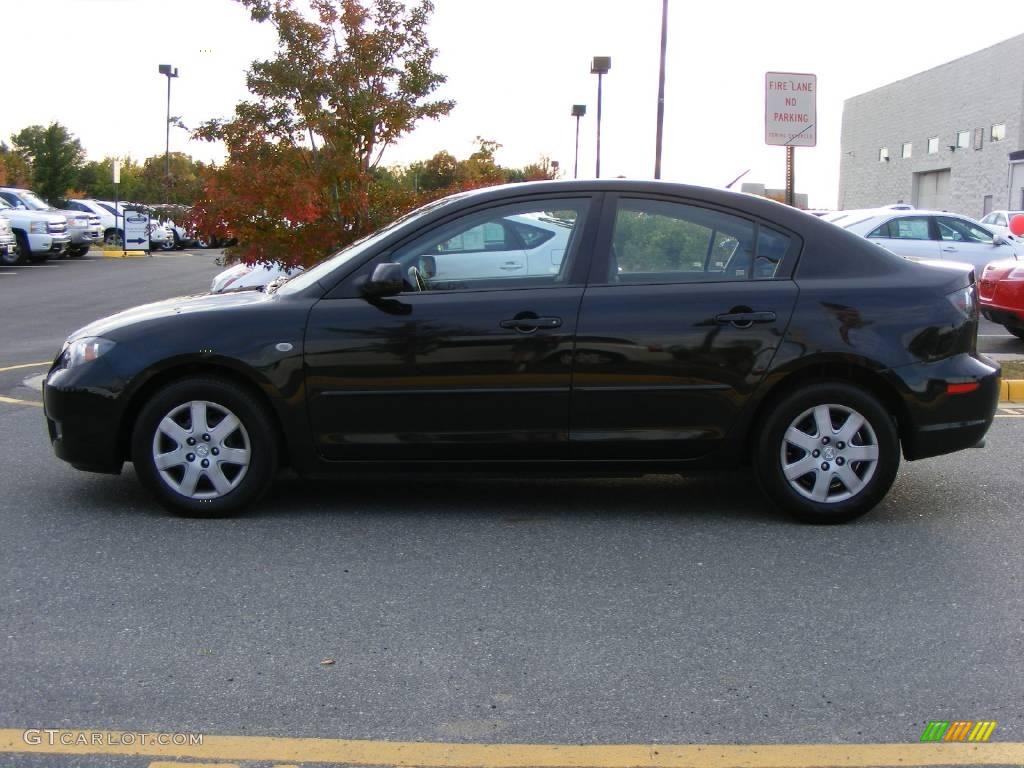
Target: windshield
(32, 202)
(305, 279)
(3, 204)
(108, 208)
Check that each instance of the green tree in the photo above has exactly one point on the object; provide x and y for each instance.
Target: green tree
(14, 169)
(95, 179)
(54, 155)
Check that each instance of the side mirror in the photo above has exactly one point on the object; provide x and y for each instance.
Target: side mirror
(387, 280)
(998, 239)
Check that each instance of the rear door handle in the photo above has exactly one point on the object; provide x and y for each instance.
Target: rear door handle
(745, 319)
(531, 324)
(949, 248)
(511, 265)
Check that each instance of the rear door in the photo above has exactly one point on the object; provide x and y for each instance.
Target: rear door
(683, 313)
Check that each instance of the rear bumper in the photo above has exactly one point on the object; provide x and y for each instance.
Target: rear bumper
(938, 422)
(1003, 315)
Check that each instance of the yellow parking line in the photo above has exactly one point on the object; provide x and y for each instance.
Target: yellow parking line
(165, 764)
(16, 401)
(462, 755)
(23, 365)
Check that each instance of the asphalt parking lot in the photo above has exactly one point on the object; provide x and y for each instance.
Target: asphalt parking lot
(653, 611)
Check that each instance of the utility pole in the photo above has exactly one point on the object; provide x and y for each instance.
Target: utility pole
(661, 90)
(599, 66)
(578, 111)
(167, 69)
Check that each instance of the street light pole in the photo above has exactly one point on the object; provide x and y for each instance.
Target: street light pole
(599, 66)
(578, 111)
(167, 69)
(661, 90)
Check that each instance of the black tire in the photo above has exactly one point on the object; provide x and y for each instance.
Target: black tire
(78, 251)
(10, 259)
(255, 435)
(776, 450)
(1018, 332)
(113, 237)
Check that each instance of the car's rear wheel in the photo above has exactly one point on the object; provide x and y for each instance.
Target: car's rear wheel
(205, 447)
(827, 453)
(1018, 332)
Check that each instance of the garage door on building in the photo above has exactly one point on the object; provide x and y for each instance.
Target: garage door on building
(931, 190)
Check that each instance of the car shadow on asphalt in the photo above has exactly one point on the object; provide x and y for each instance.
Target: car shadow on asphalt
(722, 494)
(522, 500)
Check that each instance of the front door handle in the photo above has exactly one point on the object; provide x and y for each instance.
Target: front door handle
(950, 248)
(531, 324)
(511, 265)
(745, 319)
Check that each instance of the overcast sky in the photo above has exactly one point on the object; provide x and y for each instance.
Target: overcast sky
(515, 67)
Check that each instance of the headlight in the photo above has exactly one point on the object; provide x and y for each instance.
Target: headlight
(965, 301)
(37, 227)
(86, 350)
(5, 226)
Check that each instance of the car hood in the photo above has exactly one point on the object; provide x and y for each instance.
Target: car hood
(210, 303)
(24, 213)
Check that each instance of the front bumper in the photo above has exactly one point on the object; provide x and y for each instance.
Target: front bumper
(7, 244)
(83, 416)
(85, 235)
(55, 243)
(937, 421)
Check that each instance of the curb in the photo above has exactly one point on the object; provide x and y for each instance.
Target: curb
(1011, 390)
(124, 254)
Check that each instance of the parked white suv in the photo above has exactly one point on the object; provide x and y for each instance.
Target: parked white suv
(82, 228)
(38, 234)
(8, 245)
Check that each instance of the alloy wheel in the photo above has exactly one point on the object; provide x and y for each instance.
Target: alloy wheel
(201, 450)
(829, 453)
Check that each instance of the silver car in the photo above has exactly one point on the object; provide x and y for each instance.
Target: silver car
(930, 235)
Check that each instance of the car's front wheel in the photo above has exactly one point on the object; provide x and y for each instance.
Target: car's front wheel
(205, 447)
(10, 258)
(827, 453)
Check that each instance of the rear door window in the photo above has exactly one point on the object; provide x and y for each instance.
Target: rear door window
(904, 228)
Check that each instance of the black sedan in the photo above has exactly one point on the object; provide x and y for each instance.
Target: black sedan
(606, 327)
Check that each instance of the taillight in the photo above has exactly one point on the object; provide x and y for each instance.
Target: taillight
(965, 300)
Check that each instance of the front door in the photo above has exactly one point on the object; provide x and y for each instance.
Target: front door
(678, 326)
(963, 240)
(470, 361)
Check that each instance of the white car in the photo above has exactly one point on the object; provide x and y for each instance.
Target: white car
(249, 277)
(532, 244)
(999, 221)
(930, 235)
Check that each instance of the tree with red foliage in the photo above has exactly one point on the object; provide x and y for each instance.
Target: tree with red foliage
(345, 83)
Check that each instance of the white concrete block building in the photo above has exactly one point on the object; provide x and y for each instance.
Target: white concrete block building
(950, 138)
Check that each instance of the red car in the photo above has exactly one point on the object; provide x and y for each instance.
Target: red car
(1001, 289)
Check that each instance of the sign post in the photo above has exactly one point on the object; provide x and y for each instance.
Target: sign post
(790, 117)
(117, 182)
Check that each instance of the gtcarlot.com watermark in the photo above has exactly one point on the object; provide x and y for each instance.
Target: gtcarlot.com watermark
(68, 738)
